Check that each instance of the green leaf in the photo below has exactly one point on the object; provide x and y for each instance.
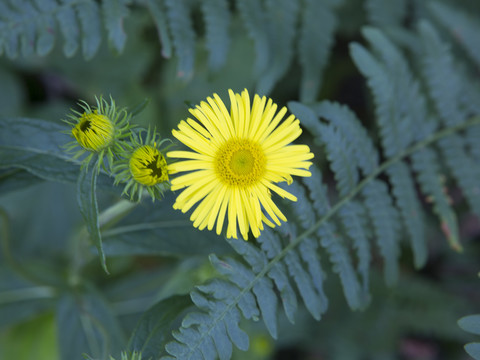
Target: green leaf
(281, 19)
(410, 210)
(473, 349)
(154, 328)
(217, 21)
(87, 201)
(156, 228)
(115, 12)
(463, 27)
(86, 324)
(157, 10)
(89, 16)
(20, 300)
(46, 29)
(470, 323)
(36, 146)
(15, 179)
(34, 339)
(383, 13)
(254, 19)
(318, 23)
(181, 28)
(443, 80)
(425, 163)
(385, 219)
(69, 27)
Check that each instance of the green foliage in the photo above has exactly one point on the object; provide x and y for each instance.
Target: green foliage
(471, 324)
(87, 202)
(395, 171)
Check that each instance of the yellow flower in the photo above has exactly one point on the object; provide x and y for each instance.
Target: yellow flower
(99, 131)
(237, 159)
(148, 166)
(94, 131)
(143, 167)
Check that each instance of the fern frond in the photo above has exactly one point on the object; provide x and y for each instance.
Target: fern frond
(339, 152)
(425, 164)
(444, 84)
(385, 219)
(442, 79)
(354, 221)
(90, 27)
(383, 79)
(114, 12)
(318, 24)
(463, 168)
(45, 39)
(217, 20)
(271, 246)
(183, 35)
(70, 29)
(385, 14)
(345, 120)
(332, 241)
(472, 142)
(463, 27)
(281, 21)
(253, 17)
(282, 267)
(158, 12)
(314, 301)
(410, 210)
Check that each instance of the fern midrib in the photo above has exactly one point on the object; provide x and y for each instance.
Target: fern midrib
(333, 210)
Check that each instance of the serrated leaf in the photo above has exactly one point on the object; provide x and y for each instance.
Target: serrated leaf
(217, 21)
(181, 29)
(410, 210)
(69, 27)
(254, 19)
(463, 26)
(385, 219)
(281, 18)
(318, 23)
(342, 264)
(444, 83)
(345, 120)
(88, 13)
(114, 12)
(425, 164)
(157, 10)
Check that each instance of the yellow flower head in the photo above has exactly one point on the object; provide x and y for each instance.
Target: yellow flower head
(94, 131)
(143, 167)
(98, 131)
(148, 166)
(238, 156)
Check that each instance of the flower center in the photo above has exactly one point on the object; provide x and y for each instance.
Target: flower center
(148, 166)
(240, 162)
(94, 132)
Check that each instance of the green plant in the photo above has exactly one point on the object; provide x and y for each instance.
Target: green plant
(395, 171)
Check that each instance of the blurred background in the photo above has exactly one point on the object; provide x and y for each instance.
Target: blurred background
(38, 270)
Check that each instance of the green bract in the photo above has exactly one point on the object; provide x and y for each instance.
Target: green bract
(143, 167)
(99, 131)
